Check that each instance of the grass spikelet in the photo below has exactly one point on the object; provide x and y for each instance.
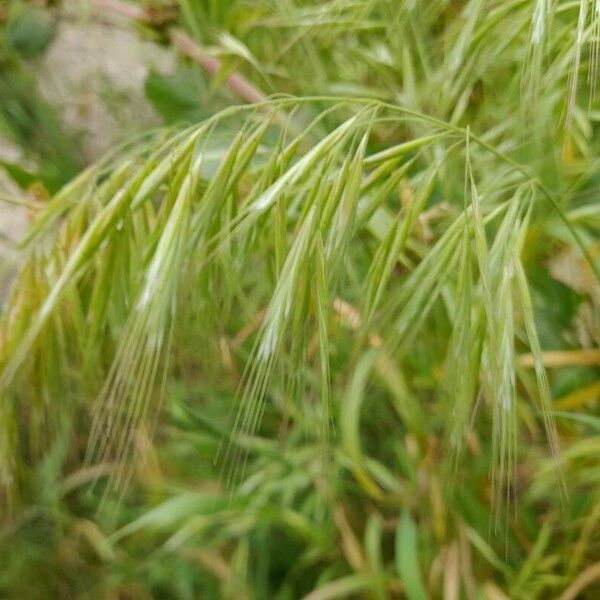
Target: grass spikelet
(532, 70)
(124, 403)
(464, 355)
(576, 64)
(273, 328)
(545, 396)
(496, 277)
(390, 250)
(323, 308)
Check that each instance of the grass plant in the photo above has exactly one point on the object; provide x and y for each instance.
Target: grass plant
(342, 342)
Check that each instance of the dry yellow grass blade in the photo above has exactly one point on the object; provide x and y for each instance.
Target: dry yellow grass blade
(555, 359)
(580, 397)
(585, 579)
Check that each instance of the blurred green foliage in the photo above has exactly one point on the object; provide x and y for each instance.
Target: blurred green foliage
(26, 118)
(28, 29)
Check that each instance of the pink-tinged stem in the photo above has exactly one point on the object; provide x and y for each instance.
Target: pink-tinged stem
(235, 82)
(124, 9)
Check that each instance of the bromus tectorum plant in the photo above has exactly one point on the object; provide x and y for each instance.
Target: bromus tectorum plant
(160, 216)
(336, 345)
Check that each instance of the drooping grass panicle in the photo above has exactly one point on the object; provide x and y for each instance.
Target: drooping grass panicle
(163, 214)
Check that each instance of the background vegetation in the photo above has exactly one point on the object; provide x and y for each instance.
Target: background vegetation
(329, 330)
